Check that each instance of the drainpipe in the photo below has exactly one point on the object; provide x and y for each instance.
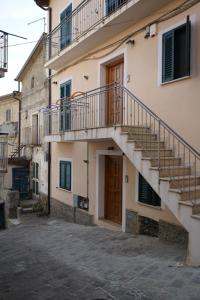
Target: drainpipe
(20, 106)
(49, 103)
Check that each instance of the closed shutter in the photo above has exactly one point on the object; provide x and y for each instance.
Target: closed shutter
(146, 194)
(188, 46)
(62, 95)
(65, 175)
(68, 107)
(68, 175)
(62, 175)
(66, 27)
(176, 52)
(168, 57)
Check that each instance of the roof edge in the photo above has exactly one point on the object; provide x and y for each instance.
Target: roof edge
(37, 46)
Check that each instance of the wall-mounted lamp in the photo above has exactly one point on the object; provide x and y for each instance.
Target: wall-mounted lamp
(55, 82)
(130, 42)
(86, 77)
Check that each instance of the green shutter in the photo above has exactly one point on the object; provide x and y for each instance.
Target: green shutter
(168, 57)
(62, 174)
(188, 46)
(65, 175)
(68, 175)
(146, 194)
(66, 27)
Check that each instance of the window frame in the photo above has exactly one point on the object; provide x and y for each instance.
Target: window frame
(193, 52)
(10, 114)
(35, 179)
(65, 188)
(172, 33)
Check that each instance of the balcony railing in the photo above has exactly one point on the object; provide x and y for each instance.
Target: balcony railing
(3, 152)
(75, 24)
(114, 105)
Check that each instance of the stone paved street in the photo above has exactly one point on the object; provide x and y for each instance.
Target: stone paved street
(48, 259)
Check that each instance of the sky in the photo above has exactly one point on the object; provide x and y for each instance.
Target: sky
(14, 16)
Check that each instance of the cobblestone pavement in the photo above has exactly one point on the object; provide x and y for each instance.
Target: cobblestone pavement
(48, 259)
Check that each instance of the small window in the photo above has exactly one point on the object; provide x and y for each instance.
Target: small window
(146, 194)
(176, 53)
(32, 82)
(65, 175)
(35, 178)
(8, 115)
(113, 5)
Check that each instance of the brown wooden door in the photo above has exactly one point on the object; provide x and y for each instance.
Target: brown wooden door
(115, 74)
(113, 189)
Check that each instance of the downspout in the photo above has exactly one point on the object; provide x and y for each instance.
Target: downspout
(49, 104)
(19, 134)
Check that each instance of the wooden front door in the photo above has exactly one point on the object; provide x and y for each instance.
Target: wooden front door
(113, 189)
(115, 74)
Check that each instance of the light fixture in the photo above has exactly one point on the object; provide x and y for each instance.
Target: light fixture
(130, 42)
(86, 77)
(55, 82)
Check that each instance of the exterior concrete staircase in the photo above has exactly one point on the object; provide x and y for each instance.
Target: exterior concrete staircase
(168, 163)
(170, 175)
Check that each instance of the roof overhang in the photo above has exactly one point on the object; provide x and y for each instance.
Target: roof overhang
(44, 4)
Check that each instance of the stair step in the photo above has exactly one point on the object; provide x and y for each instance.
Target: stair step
(194, 204)
(152, 153)
(173, 171)
(136, 129)
(142, 136)
(183, 181)
(164, 162)
(196, 217)
(187, 193)
(28, 203)
(27, 210)
(147, 144)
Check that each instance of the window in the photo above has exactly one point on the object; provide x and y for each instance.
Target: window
(65, 175)
(176, 53)
(32, 82)
(66, 27)
(113, 5)
(65, 109)
(35, 179)
(8, 115)
(35, 129)
(146, 194)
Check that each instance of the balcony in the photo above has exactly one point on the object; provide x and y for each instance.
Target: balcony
(3, 152)
(91, 116)
(92, 23)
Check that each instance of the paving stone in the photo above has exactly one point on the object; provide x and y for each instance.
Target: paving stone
(49, 259)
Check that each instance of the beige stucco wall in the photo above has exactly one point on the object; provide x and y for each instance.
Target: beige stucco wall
(9, 103)
(6, 103)
(77, 153)
(142, 66)
(177, 103)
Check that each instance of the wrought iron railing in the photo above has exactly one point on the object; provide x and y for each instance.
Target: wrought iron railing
(3, 152)
(115, 105)
(76, 24)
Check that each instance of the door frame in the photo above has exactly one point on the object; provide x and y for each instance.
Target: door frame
(101, 78)
(100, 183)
